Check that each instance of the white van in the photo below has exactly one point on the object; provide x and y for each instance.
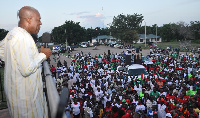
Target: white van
(134, 69)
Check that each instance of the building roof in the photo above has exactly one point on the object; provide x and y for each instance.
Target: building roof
(103, 37)
(142, 36)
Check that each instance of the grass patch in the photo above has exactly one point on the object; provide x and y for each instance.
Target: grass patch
(164, 45)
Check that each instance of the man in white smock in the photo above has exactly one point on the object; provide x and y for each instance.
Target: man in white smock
(22, 77)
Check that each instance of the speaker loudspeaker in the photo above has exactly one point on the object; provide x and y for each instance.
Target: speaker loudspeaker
(128, 60)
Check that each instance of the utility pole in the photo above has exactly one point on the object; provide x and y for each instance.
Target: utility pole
(156, 33)
(145, 34)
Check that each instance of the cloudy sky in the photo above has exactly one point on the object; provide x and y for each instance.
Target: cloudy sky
(100, 13)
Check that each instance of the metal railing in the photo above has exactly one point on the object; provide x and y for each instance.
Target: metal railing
(1, 88)
(56, 103)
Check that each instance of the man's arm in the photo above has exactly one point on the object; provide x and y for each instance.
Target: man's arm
(26, 55)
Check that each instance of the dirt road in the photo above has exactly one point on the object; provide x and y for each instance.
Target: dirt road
(100, 50)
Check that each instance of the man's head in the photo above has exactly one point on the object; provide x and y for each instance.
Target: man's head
(29, 19)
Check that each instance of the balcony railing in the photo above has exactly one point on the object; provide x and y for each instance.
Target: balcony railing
(56, 104)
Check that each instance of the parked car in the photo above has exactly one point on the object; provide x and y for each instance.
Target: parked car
(62, 49)
(74, 46)
(106, 44)
(121, 69)
(118, 46)
(112, 44)
(95, 43)
(55, 50)
(137, 69)
(134, 69)
(151, 44)
(91, 44)
(84, 45)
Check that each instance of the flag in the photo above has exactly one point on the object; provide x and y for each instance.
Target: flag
(142, 75)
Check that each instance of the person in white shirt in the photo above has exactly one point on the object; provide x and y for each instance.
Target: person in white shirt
(72, 96)
(189, 69)
(140, 106)
(99, 94)
(76, 108)
(58, 70)
(106, 98)
(82, 91)
(22, 76)
(105, 66)
(161, 110)
(149, 104)
(92, 82)
(162, 92)
(88, 111)
(138, 88)
(71, 67)
(64, 69)
(71, 81)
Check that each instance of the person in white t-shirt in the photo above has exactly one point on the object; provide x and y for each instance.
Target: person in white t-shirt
(99, 94)
(88, 111)
(162, 92)
(161, 110)
(71, 67)
(76, 108)
(140, 106)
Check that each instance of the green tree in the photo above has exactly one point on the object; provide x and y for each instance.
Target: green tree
(71, 31)
(125, 27)
(149, 29)
(130, 36)
(182, 30)
(90, 33)
(3, 34)
(195, 27)
(167, 33)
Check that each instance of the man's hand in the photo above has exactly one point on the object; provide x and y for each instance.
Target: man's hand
(46, 51)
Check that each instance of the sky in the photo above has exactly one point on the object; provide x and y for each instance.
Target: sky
(100, 13)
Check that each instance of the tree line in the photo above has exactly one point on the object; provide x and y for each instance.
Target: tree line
(123, 27)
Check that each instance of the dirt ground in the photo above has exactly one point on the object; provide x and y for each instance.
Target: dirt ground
(100, 50)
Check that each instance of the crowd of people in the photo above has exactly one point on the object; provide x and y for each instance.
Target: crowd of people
(97, 90)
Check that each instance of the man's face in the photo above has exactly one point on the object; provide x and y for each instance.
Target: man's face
(35, 23)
